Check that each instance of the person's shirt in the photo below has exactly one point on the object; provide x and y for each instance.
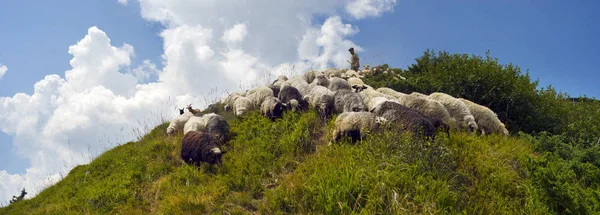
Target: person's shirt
(354, 59)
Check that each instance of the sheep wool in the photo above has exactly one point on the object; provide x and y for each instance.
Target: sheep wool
(177, 123)
(300, 84)
(376, 101)
(353, 81)
(427, 107)
(352, 74)
(418, 94)
(242, 105)
(195, 123)
(198, 147)
(334, 73)
(356, 125)
(348, 101)
(457, 110)
(336, 84)
(321, 99)
(259, 94)
(406, 118)
(486, 119)
(310, 75)
(320, 80)
(288, 94)
(391, 92)
(217, 127)
(272, 108)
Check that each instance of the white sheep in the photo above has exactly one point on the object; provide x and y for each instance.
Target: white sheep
(242, 105)
(310, 75)
(348, 101)
(487, 121)
(321, 99)
(369, 93)
(376, 101)
(212, 124)
(178, 122)
(195, 123)
(355, 125)
(330, 73)
(355, 82)
(391, 92)
(321, 80)
(299, 83)
(427, 107)
(457, 110)
(276, 85)
(352, 74)
(259, 94)
(336, 84)
(230, 99)
(272, 108)
(418, 94)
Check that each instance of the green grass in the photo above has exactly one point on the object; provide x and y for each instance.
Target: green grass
(286, 167)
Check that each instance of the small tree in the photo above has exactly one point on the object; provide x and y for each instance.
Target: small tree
(20, 197)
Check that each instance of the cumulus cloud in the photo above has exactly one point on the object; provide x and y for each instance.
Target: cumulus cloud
(360, 9)
(209, 47)
(123, 2)
(67, 121)
(3, 70)
(145, 72)
(235, 34)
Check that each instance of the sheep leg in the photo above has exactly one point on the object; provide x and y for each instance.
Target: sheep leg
(336, 136)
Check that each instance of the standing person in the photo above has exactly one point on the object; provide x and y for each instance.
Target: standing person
(354, 60)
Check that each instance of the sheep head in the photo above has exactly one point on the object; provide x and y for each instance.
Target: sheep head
(504, 130)
(358, 88)
(181, 111)
(215, 155)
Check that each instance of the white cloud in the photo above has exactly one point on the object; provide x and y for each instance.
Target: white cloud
(360, 9)
(145, 72)
(209, 47)
(3, 70)
(123, 2)
(96, 63)
(66, 119)
(235, 34)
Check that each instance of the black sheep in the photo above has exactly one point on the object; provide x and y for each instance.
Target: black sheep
(275, 89)
(408, 118)
(198, 147)
(218, 128)
(288, 93)
(348, 101)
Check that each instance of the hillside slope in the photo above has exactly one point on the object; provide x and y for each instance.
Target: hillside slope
(286, 167)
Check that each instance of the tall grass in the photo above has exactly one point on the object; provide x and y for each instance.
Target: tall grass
(286, 167)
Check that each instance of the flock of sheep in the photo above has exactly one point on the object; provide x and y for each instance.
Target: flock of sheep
(359, 107)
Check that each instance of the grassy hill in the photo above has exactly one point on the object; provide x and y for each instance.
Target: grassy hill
(286, 167)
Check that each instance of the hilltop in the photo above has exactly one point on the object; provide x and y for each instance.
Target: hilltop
(549, 164)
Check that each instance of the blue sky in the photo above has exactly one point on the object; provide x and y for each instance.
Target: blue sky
(37, 37)
(555, 40)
